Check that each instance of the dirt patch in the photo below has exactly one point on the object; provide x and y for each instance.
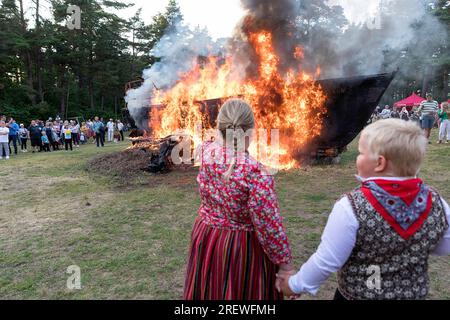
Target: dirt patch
(125, 165)
(127, 168)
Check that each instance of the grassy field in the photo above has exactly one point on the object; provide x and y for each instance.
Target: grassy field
(131, 239)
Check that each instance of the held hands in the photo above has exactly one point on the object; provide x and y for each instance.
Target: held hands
(282, 282)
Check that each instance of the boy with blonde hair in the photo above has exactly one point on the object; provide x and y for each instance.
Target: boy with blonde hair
(380, 235)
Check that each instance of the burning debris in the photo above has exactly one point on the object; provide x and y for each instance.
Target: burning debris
(291, 102)
(267, 65)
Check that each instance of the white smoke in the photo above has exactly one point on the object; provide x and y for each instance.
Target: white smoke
(178, 52)
(374, 28)
(384, 26)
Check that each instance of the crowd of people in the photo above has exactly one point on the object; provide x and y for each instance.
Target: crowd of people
(56, 135)
(428, 115)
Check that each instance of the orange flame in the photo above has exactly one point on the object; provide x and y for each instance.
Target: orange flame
(292, 102)
(298, 53)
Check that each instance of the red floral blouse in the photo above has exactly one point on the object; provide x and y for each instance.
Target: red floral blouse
(247, 201)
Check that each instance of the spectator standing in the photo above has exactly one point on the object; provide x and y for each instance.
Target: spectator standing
(23, 136)
(99, 128)
(75, 133)
(49, 134)
(13, 135)
(4, 143)
(90, 127)
(444, 126)
(103, 129)
(120, 128)
(67, 133)
(110, 125)
(429, 109)
(84, 133)
(35, 136)
(45, 142)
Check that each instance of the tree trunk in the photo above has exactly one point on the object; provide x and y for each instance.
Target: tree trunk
(91, 93)
(115, 106)
(38, 55)
(425, 80)
(446, 84)
(27, 58)
(91, 81)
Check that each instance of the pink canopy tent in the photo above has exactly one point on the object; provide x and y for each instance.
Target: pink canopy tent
(412, 101)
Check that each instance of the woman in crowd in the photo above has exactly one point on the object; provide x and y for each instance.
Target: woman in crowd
(35, 136)
(75, 127)
(24, 135)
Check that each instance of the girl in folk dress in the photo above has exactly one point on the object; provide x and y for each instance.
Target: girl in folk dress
(238, 240)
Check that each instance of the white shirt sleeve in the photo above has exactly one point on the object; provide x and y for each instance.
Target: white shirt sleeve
(338, 241)
(443, 248)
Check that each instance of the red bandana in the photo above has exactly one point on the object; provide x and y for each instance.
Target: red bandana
(405, 205)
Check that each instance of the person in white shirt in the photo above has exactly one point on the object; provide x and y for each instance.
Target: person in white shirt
(380, 235)
(120, 128)
(4, 145)
(110, 125)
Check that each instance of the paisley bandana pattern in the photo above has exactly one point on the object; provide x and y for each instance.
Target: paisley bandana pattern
(405, 215)
(402, 263)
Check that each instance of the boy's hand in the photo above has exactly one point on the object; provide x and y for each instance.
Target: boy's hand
(282, 284)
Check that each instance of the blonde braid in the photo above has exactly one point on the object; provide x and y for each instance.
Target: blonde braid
(235, 114)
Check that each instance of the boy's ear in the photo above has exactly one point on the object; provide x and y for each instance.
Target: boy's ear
(381, 164)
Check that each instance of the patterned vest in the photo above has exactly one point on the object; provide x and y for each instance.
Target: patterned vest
(402, 265)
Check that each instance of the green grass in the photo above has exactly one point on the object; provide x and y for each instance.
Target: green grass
(131, 241)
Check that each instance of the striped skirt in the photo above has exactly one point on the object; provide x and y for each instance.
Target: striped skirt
(228, 265)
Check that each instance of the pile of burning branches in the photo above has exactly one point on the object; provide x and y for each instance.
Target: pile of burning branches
(160, 150)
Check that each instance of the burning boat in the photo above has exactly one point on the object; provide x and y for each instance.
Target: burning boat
(313, 118)
(350, 103)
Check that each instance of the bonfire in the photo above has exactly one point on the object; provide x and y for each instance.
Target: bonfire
(292, 103)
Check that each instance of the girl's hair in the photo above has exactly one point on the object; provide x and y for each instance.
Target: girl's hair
(235, 114)
(444, 105)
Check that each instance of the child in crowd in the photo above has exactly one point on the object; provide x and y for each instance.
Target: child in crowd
(83, 138)
(23, 135)
(380, 235)
(45, 142)
(444, 127)
(4, 145)
(84, 132)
